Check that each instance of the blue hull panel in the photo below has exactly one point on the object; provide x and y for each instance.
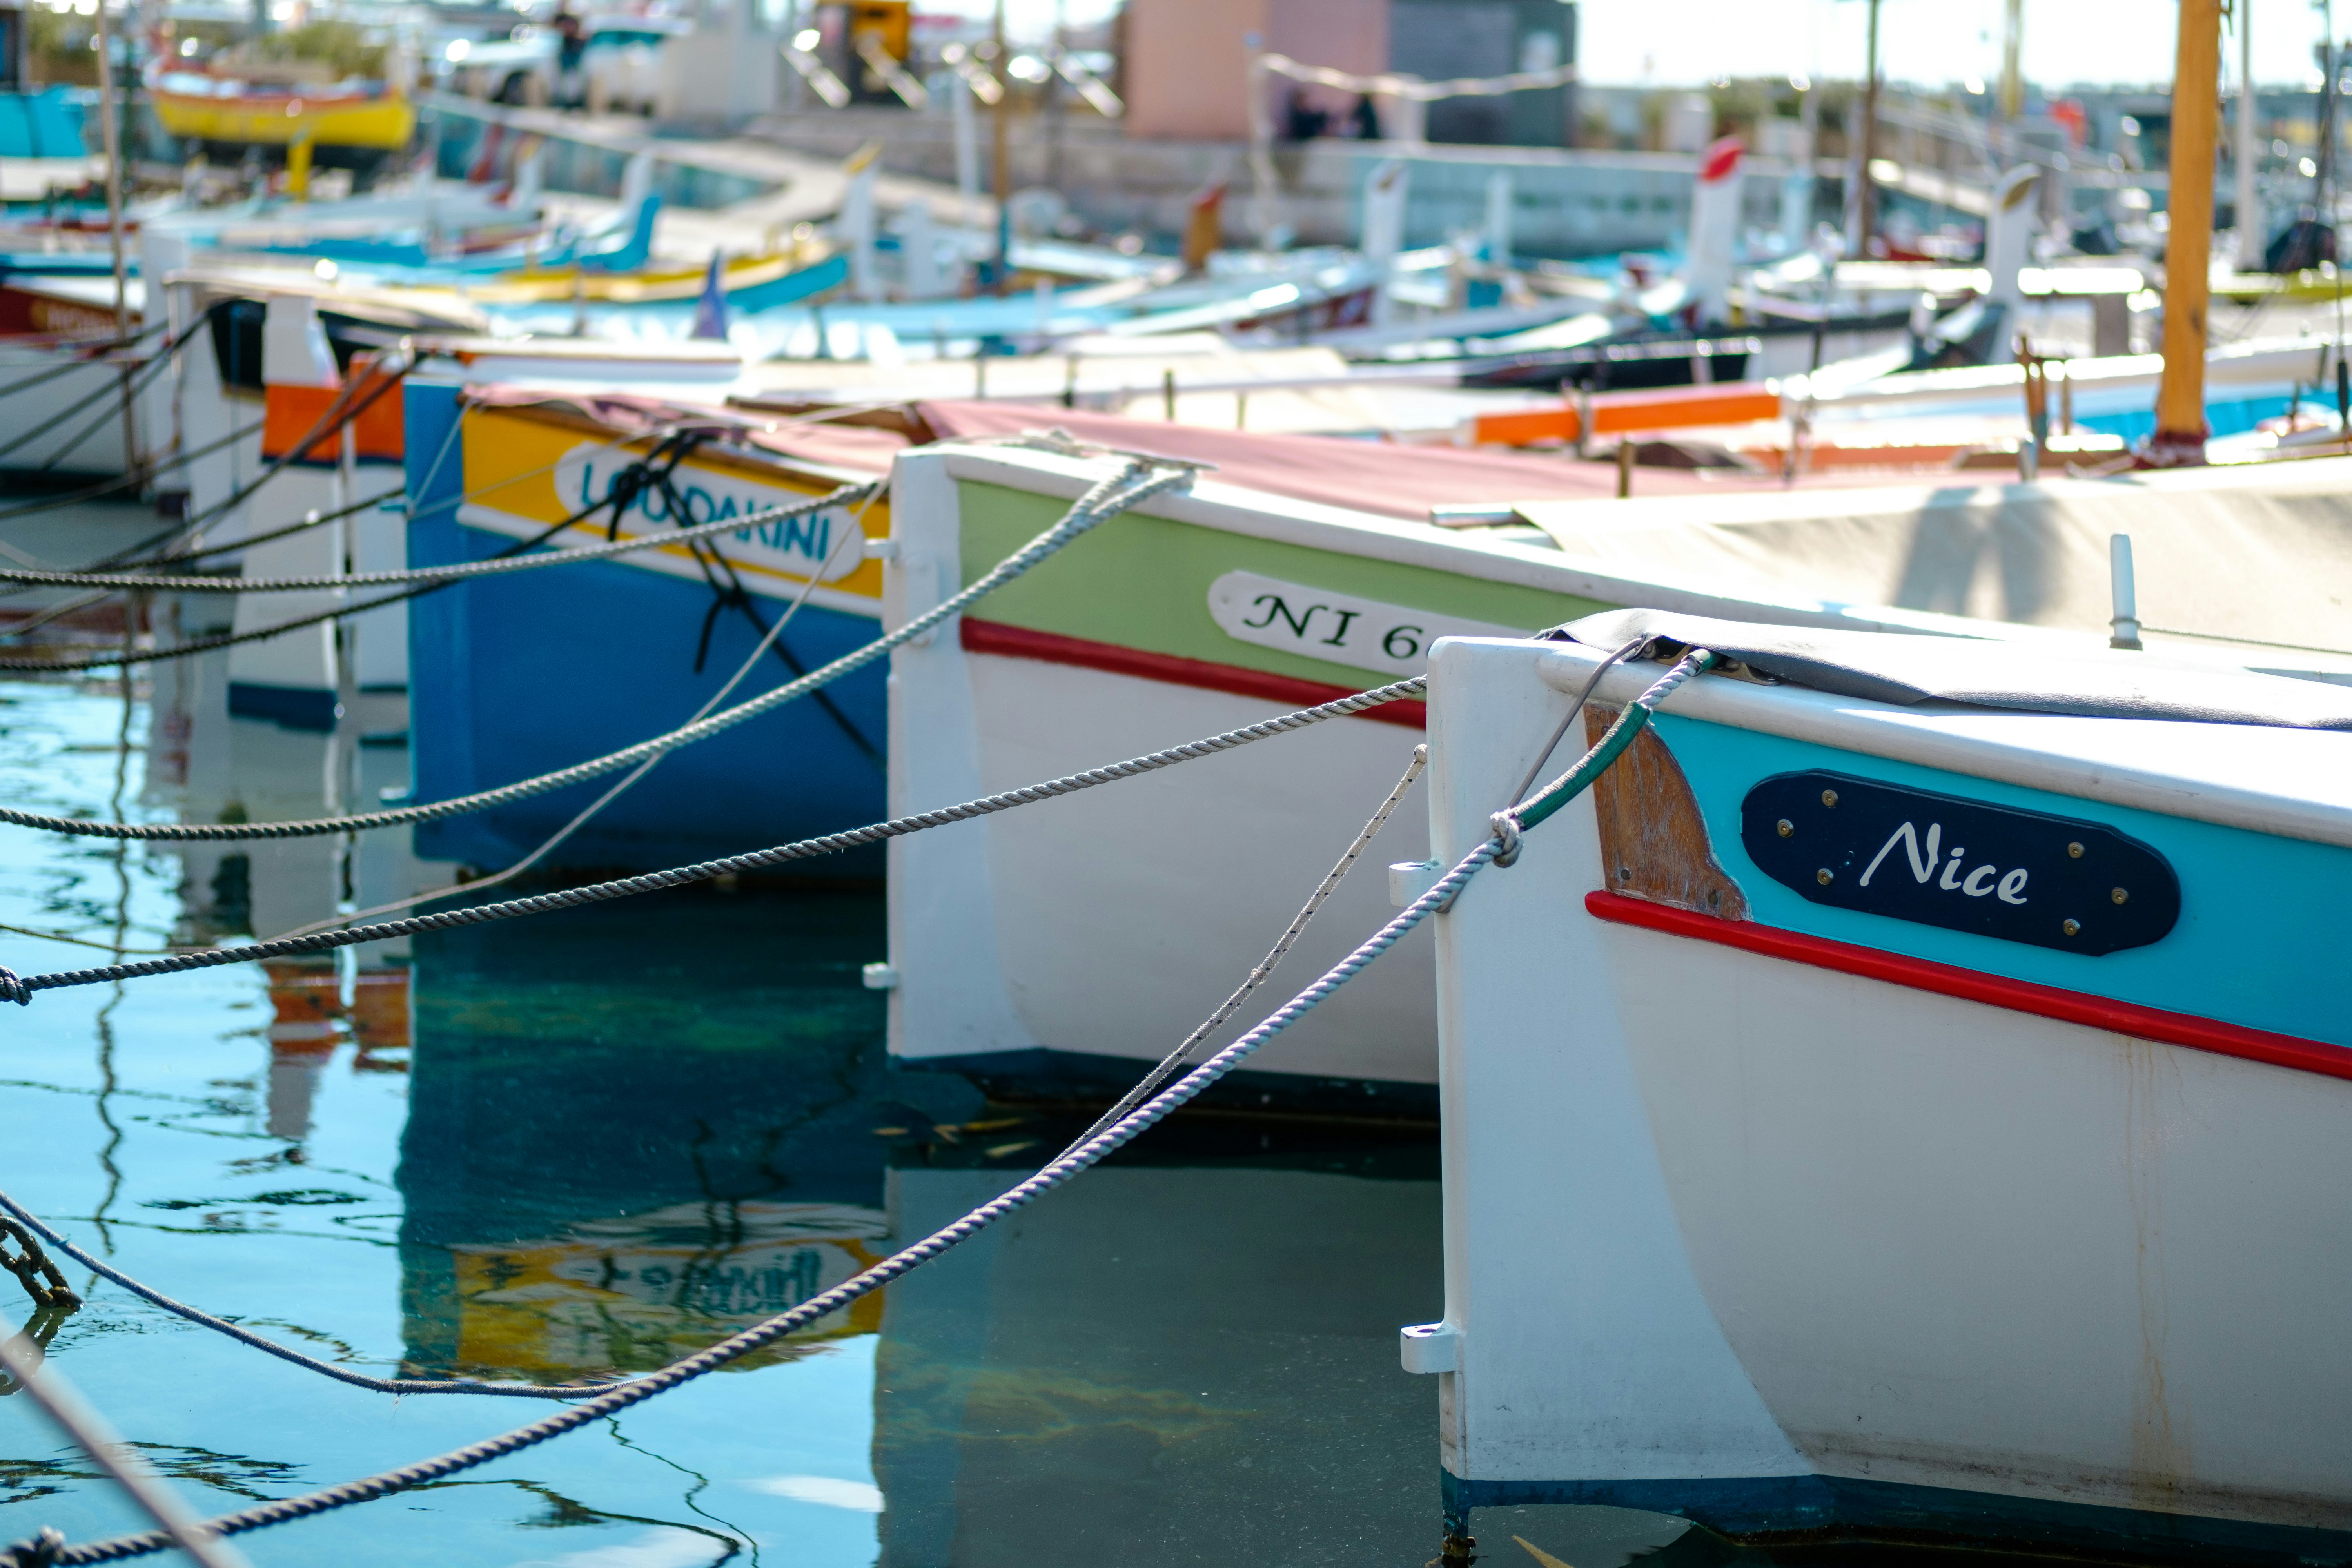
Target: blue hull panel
(1826, 1508)
(517, 677)
(514, 676)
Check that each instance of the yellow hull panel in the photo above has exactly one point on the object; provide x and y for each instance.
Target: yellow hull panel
(540, 466)
(386, 122)
(2303, 288)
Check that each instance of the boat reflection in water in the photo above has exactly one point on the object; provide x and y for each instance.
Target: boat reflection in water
(1194, 1343)
(631, 1295)
(633, 1129)
(1203, 1330)
(208, 767)
(637, 1129)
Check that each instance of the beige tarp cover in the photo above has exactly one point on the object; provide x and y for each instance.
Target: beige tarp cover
(2258, 554)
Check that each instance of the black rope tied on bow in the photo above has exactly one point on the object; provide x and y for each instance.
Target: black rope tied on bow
(727, 593)
(651, 471)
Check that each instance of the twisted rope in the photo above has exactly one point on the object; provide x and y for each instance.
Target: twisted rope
(133, 384)
(434, 578)
(1440, 895)
(309, 520)
(183, 650)
(260, 634)
(1264, 971)
(618, 788)
(450, 573)
(81, 359)
(379, 382)
(20, 990)
(678, 1372)
(21, 1357)
(24, 1219)
(1098, 505)
(147, 371)
(340, 412)
(127, 481)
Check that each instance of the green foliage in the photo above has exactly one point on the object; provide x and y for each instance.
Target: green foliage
(343, 48)
(59, 43)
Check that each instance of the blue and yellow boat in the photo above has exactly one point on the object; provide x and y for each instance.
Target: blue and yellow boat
(517, 676)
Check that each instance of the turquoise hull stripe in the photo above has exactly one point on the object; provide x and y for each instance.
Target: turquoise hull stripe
(2258, 945)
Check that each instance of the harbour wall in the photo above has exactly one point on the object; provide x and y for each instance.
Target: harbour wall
(1565, 202)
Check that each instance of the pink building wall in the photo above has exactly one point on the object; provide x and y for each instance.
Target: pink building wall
(1187, 66)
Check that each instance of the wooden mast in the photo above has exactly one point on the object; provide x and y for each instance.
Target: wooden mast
(2179, 438)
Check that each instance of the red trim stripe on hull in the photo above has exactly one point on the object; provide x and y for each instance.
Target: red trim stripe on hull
(1020, 642)
(1973, 985)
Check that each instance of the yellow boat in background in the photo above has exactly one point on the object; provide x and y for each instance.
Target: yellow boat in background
(651, 284)
(2307, 286)
(218, 109)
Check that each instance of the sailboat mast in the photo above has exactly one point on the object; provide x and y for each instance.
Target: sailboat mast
(2179, 438)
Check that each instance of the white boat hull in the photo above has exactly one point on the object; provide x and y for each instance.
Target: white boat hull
(89, 444)
(1091, 921)
(1786, 1248)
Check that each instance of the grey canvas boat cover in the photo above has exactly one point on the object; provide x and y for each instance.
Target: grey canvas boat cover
(1892, 667)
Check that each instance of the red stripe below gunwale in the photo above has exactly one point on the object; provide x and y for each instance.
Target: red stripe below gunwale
(1973, 985)
(1020, 642)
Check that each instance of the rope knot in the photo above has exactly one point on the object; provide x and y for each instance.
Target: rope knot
(14, 989)
(1506, 835)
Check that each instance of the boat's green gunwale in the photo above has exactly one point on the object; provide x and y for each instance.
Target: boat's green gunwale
(1142, 582)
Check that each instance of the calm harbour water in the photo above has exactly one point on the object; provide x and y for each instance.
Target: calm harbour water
(596, 1141)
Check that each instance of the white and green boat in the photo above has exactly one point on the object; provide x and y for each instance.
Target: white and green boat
(1050, 951)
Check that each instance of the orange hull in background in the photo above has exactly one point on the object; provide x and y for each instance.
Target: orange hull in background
(1620, 412)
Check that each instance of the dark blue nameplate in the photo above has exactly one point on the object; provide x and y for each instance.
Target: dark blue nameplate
(1941, 860)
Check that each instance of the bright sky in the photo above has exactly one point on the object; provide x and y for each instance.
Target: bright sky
(1680, 42)
(1672, 42)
